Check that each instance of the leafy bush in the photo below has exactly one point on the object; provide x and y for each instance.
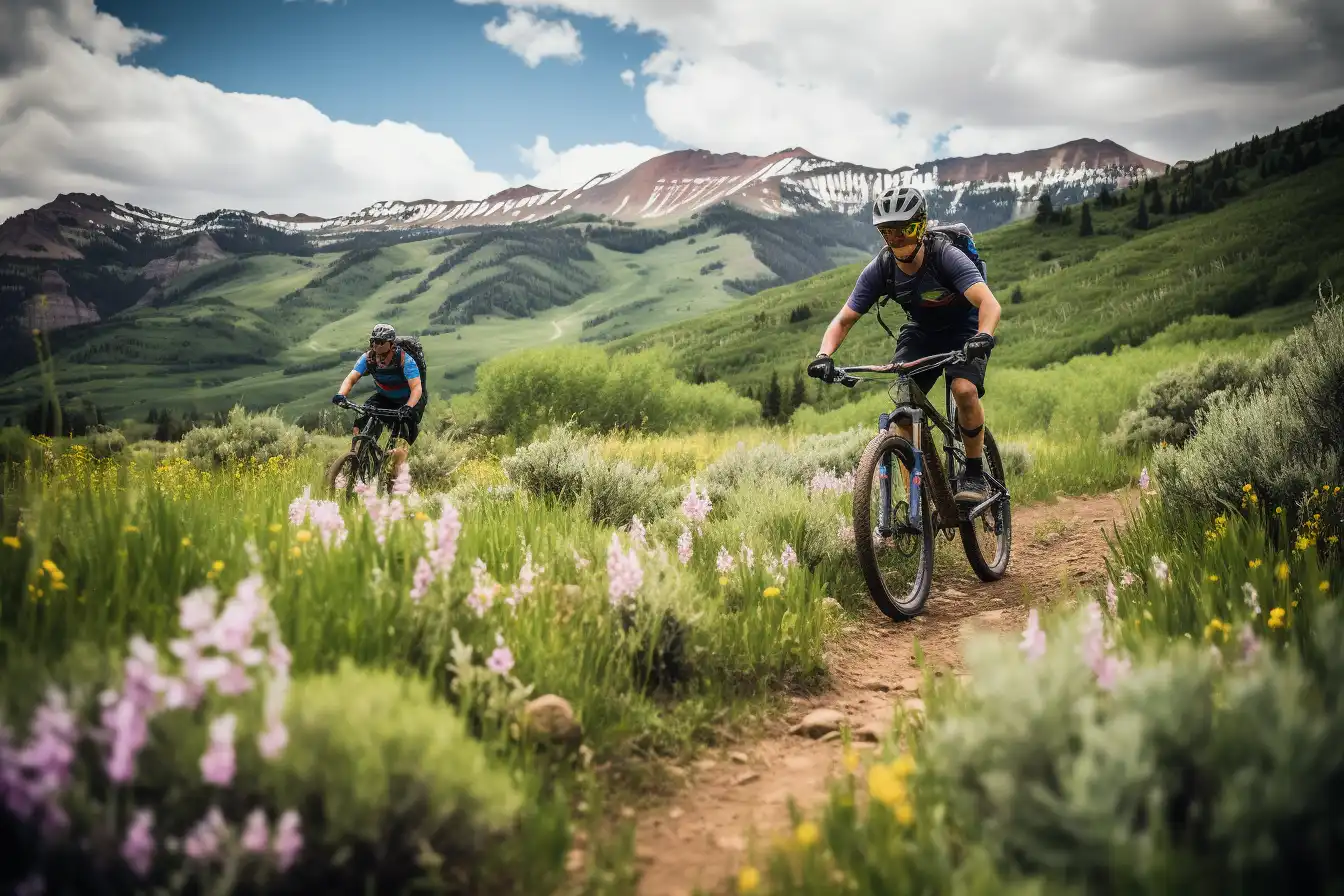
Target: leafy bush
(1284, 441)
(1168, 407)
(523, 391)
(16, 446)
(1016, 457)
(243, 437)
(567, 466)
(837, 453)
(105, 442)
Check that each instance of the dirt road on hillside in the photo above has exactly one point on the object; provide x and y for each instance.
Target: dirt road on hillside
(699, 838)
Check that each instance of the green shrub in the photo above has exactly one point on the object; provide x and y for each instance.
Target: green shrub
(837, 453)
(1169, 406)
(1016, 457)
(243, 437)
(16, 446)
(567, 466)
(520, 392)
(1284, 442)
(434, 459)
(104, 442)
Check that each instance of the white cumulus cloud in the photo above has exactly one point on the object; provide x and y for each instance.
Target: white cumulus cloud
(852, 80)
(577, 165)
(534, 39)
(628, 77)
(76, 117)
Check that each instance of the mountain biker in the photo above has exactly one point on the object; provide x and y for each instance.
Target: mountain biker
(397, 378)
(948, 305)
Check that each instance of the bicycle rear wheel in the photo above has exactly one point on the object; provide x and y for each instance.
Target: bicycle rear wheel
(897, 563)
(988, 539)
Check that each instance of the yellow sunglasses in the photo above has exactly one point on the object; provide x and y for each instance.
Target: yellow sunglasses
(902, 232)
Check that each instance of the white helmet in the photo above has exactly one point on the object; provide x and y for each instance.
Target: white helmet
(899, 205)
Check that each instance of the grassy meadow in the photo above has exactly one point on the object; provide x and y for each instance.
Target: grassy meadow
(217, 680)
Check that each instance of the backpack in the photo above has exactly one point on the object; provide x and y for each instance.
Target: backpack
(957, 234)
(410, 345)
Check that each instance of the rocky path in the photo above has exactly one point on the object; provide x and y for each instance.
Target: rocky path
(699, 838)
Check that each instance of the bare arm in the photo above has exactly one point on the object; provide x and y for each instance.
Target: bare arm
(838, 329)
(350, 379)
(415, 392)
(980, 296)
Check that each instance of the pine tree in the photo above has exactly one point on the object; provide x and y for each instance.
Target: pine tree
(1275, 139)
(1314, 155)
(1141, 221)
(1045, 210)
(1298, 162)
(771, 405)
(1236, 155)
(1174, 207)
(1016, 297)
(1084, 225)
(1155, 204)
(1264, 168)
(1216, 169)
(1290, 145)
(799, 390)
(1105, 199)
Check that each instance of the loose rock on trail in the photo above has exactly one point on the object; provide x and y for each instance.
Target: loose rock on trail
(699, 838)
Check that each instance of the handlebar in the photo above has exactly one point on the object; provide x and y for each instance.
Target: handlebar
(845, 375)
(388, 413)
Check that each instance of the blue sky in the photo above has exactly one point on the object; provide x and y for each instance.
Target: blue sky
(421, 61)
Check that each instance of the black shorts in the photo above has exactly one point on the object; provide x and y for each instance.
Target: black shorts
(913, 343)
(410, 429)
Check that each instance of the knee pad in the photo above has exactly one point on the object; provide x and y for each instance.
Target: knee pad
(970, 433)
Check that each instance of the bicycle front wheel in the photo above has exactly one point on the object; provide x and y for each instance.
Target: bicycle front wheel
(897, 560)
(988, 539)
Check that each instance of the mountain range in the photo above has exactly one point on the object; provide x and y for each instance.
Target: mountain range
(983, 191)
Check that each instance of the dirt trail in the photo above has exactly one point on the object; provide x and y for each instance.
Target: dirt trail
(699, 838)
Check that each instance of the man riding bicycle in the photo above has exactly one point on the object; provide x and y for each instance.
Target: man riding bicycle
(948, 305)
(397, 377)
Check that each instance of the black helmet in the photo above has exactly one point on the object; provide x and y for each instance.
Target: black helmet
(383, 331)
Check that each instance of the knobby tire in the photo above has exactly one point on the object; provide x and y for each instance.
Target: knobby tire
(990, 570)
(899, 606)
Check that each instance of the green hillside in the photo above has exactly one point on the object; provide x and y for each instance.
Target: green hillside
(1254, 230)
(280, 330)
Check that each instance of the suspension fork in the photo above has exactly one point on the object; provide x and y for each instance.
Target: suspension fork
(917, 472)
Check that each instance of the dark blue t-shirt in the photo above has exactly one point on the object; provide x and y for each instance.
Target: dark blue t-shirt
(934, 297)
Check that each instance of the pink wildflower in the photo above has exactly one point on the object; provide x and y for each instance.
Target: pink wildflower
(1112, 598)
(747, 555)
(1249, 643)
(724, 561)
(234, 681)
(217, 763)
(826, 481)
(288, 841)
(1143, 479)
(526, 583)
(1127, 578)
(233, 630)
(684, 545)
(696, 506)
(402, 484)
(196, 609)
(1161, 571)
(623, 571)
(1252, 598)
(637, 532)
(501, 660)
(204, 839)
(445, 549)
(789, 558)
(255, 834)
(424, 577)
(1033, 637)
(1107, 668)
(483, 590)
(138, 847)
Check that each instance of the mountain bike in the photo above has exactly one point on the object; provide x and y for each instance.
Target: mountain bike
(367, 461)
(895, 522)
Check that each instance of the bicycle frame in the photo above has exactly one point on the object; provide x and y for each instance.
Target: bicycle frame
(912, 404)
(367, 441)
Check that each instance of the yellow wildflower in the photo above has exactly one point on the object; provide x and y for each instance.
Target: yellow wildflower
(421, 516)
(12, 542)
(1282, 571)
(905, 814)
(1276, 617)
(1256, 563)
(748, 879)
(1324, 586)
(851, 760)
(772, 591)
(304, 536)
(129, 529)
(1246, 487)
(186, 542)
(1213, 578)
(295, 551)
(806, 834)
(1216, 625)
(274, 528)
(723, 580)
(885, 786)
(903, 765)
(217, 566)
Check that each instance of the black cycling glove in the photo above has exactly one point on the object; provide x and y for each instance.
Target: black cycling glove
(405, 412)
(978, 346)
(822, 367)
(337, 398)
